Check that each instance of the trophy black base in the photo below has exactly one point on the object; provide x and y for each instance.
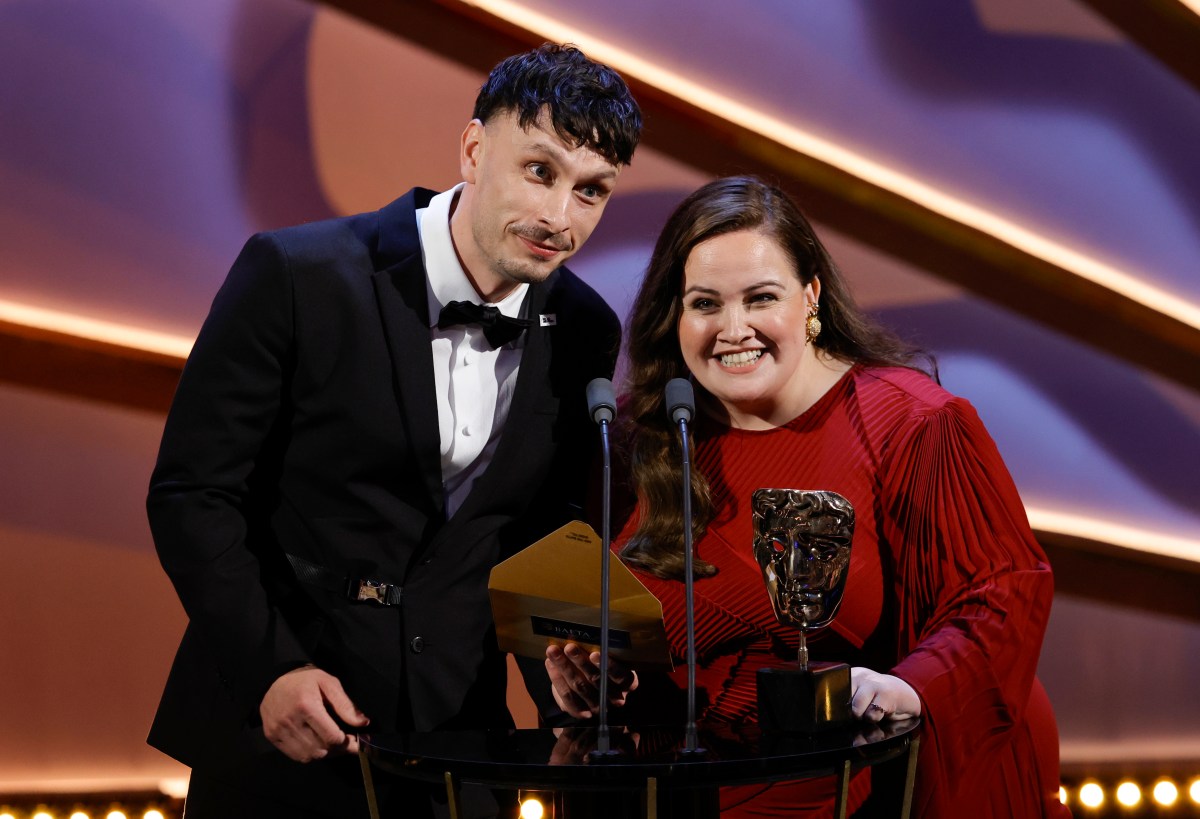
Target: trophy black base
(795, 701)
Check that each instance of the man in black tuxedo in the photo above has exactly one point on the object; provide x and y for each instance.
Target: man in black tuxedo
(355, 443)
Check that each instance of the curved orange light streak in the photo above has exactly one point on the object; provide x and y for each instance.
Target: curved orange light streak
(1044, 519)
(855, 164)
(108, 332)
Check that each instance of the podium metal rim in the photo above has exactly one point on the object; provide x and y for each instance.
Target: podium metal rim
(494, 759)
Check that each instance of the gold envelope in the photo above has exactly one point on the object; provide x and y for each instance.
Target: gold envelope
(550, 593)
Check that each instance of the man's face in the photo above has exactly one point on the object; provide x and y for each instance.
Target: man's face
(802, 544)
(530, 202)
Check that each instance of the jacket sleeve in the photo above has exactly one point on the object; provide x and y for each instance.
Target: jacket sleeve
(974, 591)
(210, 490)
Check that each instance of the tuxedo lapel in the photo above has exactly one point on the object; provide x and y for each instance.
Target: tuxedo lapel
(495, 486)
(400, 290)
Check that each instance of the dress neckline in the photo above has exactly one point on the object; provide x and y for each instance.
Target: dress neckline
(832, 395)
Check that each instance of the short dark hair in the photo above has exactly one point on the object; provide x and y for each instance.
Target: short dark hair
(589, 103)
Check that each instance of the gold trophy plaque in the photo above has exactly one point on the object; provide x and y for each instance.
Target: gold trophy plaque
(802, 544)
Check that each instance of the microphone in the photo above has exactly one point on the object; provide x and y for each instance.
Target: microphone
(681, 406)
(602, 406)
(601, 400)
(681, 400)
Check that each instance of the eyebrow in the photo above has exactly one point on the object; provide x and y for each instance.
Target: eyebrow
(757, 285)
(557, 153)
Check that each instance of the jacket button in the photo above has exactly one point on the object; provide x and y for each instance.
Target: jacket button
(417, 644)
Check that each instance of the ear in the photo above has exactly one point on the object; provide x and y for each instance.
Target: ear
(813, 289)
(471, 150)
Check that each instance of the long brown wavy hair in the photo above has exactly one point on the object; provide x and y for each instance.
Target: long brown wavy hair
(654, 356)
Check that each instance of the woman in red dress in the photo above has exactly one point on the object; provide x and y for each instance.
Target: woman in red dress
(948, 593)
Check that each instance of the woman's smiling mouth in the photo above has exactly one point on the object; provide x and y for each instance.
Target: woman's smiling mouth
(740, 359)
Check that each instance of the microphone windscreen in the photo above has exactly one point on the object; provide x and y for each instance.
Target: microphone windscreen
(681, 400)
(601, 400)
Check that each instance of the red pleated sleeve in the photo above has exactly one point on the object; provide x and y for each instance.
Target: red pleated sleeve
(974, 591)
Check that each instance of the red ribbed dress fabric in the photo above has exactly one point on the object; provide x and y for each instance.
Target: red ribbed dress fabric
(947, 589)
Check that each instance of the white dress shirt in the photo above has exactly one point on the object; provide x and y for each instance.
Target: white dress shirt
(474, 382)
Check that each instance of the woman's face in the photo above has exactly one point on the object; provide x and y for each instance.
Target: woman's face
(741, 329)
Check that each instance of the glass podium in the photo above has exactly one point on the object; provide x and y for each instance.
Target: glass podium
(650, 768)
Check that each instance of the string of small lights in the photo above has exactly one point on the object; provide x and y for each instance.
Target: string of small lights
(1115, 794)
(149, 805)
(1093, 797)
(1089, 797)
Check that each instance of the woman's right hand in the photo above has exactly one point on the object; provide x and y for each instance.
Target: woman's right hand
(878, 696)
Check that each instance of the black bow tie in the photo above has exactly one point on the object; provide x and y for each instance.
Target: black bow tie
(498, 328)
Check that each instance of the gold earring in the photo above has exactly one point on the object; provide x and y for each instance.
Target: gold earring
(812, 325)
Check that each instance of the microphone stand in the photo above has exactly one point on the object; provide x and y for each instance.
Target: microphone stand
(680, 405)
(602, 403)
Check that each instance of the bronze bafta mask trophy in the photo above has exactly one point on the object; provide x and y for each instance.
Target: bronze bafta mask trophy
(802, 544)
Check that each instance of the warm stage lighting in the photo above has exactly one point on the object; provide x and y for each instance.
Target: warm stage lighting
(1027, 239)
(176, 787)
(531, 808)
(1107, 531)
(1062, 794)
(106, 332)
(41, 814)
(152, 814)
(116, 814)
(1091, 795)
(1129, 794)
(79, 815)
(1194, 791)
(1165, 792)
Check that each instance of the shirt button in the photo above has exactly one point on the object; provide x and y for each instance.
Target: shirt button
(466, 431)
(417, 645)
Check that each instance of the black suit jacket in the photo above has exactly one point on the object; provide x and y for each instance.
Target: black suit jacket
(305, 423)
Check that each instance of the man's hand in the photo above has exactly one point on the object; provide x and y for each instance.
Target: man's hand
(575, 679)
(296, 715)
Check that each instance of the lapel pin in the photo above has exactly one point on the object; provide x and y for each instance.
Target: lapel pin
(548, 319)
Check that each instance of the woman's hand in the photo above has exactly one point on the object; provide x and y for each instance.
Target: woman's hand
(881, 696)
(575, 679)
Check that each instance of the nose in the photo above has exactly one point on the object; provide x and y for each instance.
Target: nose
(794, 563)
(733, 325)
(800, 564)
(555, 209)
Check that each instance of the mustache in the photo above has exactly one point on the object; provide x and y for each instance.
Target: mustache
(541, 236)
